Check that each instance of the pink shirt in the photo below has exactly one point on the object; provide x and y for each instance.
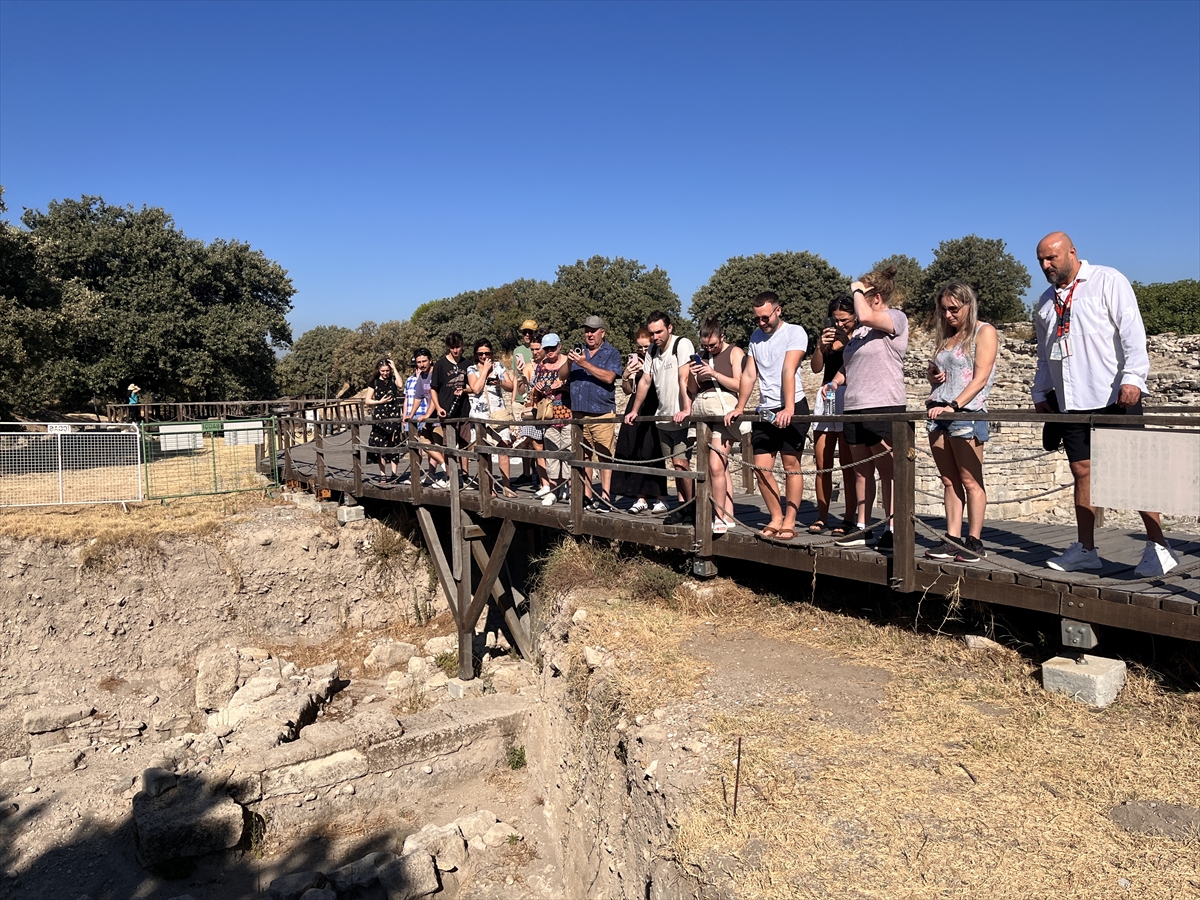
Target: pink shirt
(874, 365)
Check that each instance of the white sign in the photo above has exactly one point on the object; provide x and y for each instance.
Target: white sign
(1156, 471)
(58, 428)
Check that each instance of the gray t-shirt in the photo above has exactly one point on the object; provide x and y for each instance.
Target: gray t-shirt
(768, 353)
(874, 365)
(664, 369)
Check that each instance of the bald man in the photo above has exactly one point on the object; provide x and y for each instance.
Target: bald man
(1091, 359)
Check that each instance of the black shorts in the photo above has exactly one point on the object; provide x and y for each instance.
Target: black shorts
(1076, 437)
(770, 439)
(870, 433)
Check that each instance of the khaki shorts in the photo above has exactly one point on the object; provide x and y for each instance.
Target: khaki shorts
(675, 444)
(718, 403)
(600, 435)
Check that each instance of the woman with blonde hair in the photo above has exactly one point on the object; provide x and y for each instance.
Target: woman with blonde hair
(962, 371)
(873, 373)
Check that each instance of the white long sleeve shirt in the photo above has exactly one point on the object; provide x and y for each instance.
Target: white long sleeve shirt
(1107, 341)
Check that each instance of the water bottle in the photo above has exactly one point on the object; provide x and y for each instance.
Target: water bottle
(768, 415)
(829, 401)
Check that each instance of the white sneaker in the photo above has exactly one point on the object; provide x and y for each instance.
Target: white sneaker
(640, 507)
(550, 499)
(1076, 558)
(543, 491)
(659, 507)
(1156, 560)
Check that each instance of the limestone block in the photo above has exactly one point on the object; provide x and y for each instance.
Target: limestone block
(216, 677)
(1096, 684)
(410, 877)
(186, 821)
(47, 739)
(446, 844)
(156, 782)
(447, 644)
(362, 873)
(52, 718)
(350, 514)
(56, 761)
(459, 689)
(317, 773)
(390, 655)
(293, 886)
(499, 834)
(399, 683)
(14, 771)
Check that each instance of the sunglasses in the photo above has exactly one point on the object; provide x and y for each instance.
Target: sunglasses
(766, 318)
(483, 356)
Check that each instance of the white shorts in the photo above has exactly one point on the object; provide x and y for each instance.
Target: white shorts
(718, 403)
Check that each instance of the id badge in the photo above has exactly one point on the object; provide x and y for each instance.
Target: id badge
(1060, 350)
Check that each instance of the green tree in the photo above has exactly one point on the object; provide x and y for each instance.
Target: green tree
(495, 313)
(308, 367)
(1170, 306)
(909, 279)
(357, 353)
(804, 282)
(140, 301)
(998, 278)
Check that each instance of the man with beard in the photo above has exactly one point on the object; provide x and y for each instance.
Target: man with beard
(1091, 359)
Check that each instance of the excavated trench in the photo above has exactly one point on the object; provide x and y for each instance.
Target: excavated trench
(210, 715)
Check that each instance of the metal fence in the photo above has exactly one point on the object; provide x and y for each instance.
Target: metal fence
(187, 459)
(48, 464)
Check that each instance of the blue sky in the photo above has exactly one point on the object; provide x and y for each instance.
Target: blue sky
(389, 154)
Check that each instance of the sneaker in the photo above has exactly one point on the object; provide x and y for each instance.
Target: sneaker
(441, 482)
(971, 550)
(944, 550)
(659, 507)
(550, 499)
(640, 507)
(856, 540)
(886, 543)
(592, 505)
(543, 491)
(1156, 560)
(1076, 558)
(678, 517)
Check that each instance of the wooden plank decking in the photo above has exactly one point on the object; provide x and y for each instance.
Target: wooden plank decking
(1013, 574)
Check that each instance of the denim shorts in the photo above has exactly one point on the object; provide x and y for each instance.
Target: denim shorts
(959, 429)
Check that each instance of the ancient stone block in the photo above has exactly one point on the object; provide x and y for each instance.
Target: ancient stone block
(216, 677)
(56, 761)
(52, 718)
(410, 877)
(185, 821)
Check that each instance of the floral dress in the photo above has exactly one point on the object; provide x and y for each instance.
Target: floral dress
(386, 433)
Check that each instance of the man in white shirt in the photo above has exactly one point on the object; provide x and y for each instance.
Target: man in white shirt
(773, 359)
(1091, 359)
(668, 354)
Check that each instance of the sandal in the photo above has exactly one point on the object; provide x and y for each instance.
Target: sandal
(843, 529)
(785, 534)
(720, 526)
(817, 527)
(767, 532)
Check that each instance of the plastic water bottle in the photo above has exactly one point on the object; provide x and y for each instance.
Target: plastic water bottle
(768, 415)
(829, 401)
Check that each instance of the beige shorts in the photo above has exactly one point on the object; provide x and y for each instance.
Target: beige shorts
(600, 435)
(718, 403)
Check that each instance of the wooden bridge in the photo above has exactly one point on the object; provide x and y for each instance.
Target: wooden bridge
(461, 522)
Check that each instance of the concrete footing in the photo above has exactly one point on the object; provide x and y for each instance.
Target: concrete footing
(1097, 683)
(350, 514)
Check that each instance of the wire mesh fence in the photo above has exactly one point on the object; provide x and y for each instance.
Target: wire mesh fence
(46, 464)
(187, 459)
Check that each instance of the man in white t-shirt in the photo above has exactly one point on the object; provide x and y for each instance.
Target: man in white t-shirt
(668, 355)
(773, 360)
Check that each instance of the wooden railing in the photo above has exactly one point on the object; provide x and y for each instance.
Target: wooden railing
(232, 409)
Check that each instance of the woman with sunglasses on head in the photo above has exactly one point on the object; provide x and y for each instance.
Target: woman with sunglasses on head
(487, 380)
(873, 373)
(962, 371)
(829, 437)
(386, 402)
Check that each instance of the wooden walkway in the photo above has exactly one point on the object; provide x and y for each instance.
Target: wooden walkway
(1013, 574)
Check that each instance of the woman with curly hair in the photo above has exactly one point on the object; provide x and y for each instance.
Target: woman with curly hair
(386, 402)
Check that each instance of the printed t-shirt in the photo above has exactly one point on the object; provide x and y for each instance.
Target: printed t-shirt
(664, 369)
(448, 377)
(491, 398)
(769, 353)
(874, 365)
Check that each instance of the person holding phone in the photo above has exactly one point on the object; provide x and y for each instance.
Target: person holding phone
(828, 437)
(487, 381)
(710, 385)
(384, 401)
(595, 366)
(639, 442)
(449, 384)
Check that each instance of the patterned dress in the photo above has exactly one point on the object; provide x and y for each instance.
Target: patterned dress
(386, 433)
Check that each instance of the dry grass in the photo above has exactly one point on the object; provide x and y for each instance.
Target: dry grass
(947, 798)
(106, 530)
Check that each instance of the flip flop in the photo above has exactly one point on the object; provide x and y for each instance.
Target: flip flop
(767, 532)
(785, 534)
(817, 527)
(720, 526)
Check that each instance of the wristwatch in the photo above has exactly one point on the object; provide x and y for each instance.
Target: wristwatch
(953, 404)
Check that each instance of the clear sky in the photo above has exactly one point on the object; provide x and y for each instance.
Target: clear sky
(387, 154)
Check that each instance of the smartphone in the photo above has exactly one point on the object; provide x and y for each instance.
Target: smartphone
(579, 348)
(830, 322)
(696, 360)
(632, 357)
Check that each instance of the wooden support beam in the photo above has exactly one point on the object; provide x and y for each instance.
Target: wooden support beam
(319, 445)
(904, 485)
(519, 629)
(433, 542)
(491, 570)
(749, 480)
(414, 475)
(357, 460)
(704, 497)
(484, 466)
(466, 629)
(576, 480)
(453, 473)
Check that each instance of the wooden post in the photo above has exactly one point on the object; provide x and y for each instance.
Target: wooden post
(704, 497)
(319, 446)
(484, 468)
(749, 479)
(904, 483)
(357, 460)
(433, 541)
(453, 472)
(576, 480)
(466, 628)
(288, 474)
(414, 472)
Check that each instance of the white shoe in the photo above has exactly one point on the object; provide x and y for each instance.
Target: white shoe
(640, 507)
(1156, 560)
(659, 507)
(543, 491)
(1076, 558)
(549, 499)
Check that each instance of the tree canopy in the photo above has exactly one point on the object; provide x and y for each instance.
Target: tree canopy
(998, 278)
(909, 279)
(97, 296)
(1170, 306)
(309, 367)
(804, 282)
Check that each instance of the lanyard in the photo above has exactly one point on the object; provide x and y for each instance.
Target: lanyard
(1063, 309)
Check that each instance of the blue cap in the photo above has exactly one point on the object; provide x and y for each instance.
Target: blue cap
(550, 340)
